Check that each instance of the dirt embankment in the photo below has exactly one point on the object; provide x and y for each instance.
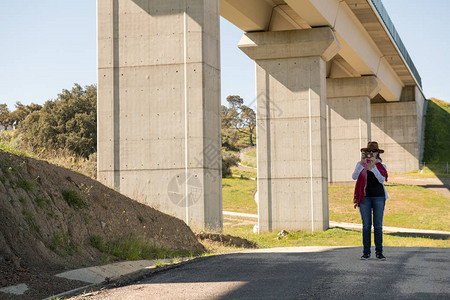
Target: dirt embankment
(48, 215)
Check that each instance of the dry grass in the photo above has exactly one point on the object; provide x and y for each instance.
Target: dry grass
(10, 142)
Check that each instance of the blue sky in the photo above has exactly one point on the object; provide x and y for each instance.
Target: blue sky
(48, 45)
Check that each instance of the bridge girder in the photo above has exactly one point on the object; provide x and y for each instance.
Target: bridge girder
(360, 51)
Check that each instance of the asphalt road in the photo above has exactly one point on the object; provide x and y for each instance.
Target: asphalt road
(296, 273)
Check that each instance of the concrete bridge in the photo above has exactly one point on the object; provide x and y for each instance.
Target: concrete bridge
(331, 75)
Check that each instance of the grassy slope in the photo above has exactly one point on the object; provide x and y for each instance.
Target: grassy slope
(50, 217)
(11, 142)
(251, 153)
(437, 132)
(243, 140)
(249, 158)
(237, 194)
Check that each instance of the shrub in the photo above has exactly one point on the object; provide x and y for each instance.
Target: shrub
(229, 139)
(98, 242)
(131, 248)
(73, 199)
(41, 202)
(63, 245)
(228, 160)
(26, 185)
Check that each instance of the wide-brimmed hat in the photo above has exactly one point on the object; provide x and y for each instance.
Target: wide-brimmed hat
(372, 146)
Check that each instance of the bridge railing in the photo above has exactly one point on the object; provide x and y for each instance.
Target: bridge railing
(396, 37)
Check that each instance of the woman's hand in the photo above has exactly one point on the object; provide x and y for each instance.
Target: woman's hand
(363, 159)
(370, 163)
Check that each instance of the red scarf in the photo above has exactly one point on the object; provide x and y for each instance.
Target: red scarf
(361, 183)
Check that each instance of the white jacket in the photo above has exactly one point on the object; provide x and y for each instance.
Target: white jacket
(375, 172)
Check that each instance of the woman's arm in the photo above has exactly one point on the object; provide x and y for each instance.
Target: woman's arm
(357, 171)
(378, 175)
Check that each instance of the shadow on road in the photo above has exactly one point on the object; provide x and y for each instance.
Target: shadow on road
(433, 236)
(292, 273)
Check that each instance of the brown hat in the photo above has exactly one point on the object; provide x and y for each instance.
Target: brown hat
(372, 146)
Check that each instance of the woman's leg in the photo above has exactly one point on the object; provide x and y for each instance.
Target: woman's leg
(378, 211)
(365, 209)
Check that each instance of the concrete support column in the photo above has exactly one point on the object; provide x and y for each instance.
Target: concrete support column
(291, 126)
(348, 118)
(398, 128)
(159, 105)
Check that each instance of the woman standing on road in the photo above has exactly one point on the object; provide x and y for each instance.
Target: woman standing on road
(370, 195)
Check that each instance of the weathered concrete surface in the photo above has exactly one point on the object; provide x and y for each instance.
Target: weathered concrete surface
(18, 289)
(349, 123)
(290, 43)
(159, 105)
(291, 126)
(398, 128)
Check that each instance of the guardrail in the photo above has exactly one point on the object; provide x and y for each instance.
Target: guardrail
(396, 37)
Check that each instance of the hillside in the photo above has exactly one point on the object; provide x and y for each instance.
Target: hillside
(437, 132)
(53, 219)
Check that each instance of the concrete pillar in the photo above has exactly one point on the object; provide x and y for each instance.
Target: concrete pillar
(398, 129)
(348, 118)
(159, 105)
(291, 126)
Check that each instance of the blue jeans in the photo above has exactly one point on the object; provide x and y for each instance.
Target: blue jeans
(375, 204)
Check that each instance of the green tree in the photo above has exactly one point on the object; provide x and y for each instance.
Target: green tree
(18, 115)
(248, 122)
(4, 115)
(33, 107)
(230, 136)
(240, 117)
(226, 116)
(8, 118)
(69, 121)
